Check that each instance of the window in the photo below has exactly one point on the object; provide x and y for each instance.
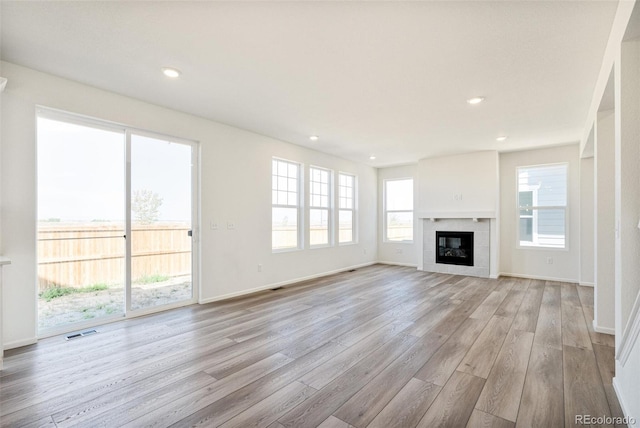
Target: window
(319, 206)
(285, 205)
(346, 208)
(542, 206)
(398, 202)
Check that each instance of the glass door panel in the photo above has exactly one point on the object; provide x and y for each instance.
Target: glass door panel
(161, 215)
(81, 245)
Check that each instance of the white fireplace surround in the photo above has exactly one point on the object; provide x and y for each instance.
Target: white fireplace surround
(484, 242)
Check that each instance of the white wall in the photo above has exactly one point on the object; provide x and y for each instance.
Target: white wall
(627, 216)
(460, 183)
(461, 186)
(627, 179)
(402, 253)
(532, 262)
(604, 223)
(587, 208)
(1, 270)
(235, 186)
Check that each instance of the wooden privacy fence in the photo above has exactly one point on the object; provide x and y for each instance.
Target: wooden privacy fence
(85, 255)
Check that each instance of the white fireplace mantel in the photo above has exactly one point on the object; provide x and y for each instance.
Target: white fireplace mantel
(434, 215)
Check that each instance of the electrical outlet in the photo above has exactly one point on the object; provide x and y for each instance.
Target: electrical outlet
(364, 251)
(213, 225)
(231, 225)
(259, 268)
(549, 260)
(398, 250)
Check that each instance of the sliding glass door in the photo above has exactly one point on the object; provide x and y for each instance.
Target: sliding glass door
(161, 229)
(81, 222)
(115, 221)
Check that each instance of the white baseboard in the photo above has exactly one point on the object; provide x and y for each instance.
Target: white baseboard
(621, 400)
(587, 284)
(399, 264)
(630, 333)
(280, 284)
(19, 343)
(603, 330)
(542, 278)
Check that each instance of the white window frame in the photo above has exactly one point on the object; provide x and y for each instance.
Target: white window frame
(298, 206)
(385, 211)
(535, 208)
(328, 208)
(353, 209)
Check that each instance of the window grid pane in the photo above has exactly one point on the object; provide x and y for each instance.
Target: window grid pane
(399, 195)
(399, 210)
(285, 201)
(319, 226)
(547, 184)
(284, 183)
(319, 185)
(542, 201)
(399, 226)
(346, 213)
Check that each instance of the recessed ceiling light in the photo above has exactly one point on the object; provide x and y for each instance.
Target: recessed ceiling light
(501, 138)
(314, 138)
(171, 72)
(475, 100)
(372, 157)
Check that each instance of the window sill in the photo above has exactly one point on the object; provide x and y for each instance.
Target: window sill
(316, 247)
(285, 250)
(540, 248)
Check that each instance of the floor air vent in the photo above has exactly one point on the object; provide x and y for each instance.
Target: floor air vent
(276, 289)
(79, 335)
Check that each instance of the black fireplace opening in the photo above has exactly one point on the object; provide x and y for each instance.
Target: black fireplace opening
(454, 248)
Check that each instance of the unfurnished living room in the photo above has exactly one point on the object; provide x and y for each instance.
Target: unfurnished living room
(319, 213)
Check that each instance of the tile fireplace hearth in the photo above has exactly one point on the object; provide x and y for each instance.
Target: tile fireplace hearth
(457, 257)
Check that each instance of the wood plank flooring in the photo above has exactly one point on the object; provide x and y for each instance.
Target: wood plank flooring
(383, 346)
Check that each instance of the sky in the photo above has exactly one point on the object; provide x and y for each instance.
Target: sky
(81, 173)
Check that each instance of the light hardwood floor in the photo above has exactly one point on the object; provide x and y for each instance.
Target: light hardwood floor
(379, 347)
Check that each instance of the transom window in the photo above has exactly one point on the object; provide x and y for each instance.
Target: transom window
(285, 205)
(346, 208)
(542, 206)
(319, 206)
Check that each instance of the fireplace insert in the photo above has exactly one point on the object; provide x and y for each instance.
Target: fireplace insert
(454, 248)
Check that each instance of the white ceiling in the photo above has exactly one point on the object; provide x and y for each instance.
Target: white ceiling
(383, 78)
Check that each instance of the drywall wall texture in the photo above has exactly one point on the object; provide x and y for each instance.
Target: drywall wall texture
(235, 186)
(627, 216)
(587, 235)
(627, 182)
(460, 183)
(534, 262)
(604, 222)
(402, 253)
(461, 186)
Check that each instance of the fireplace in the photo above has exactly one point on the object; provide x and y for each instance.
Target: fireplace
(454, 248)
